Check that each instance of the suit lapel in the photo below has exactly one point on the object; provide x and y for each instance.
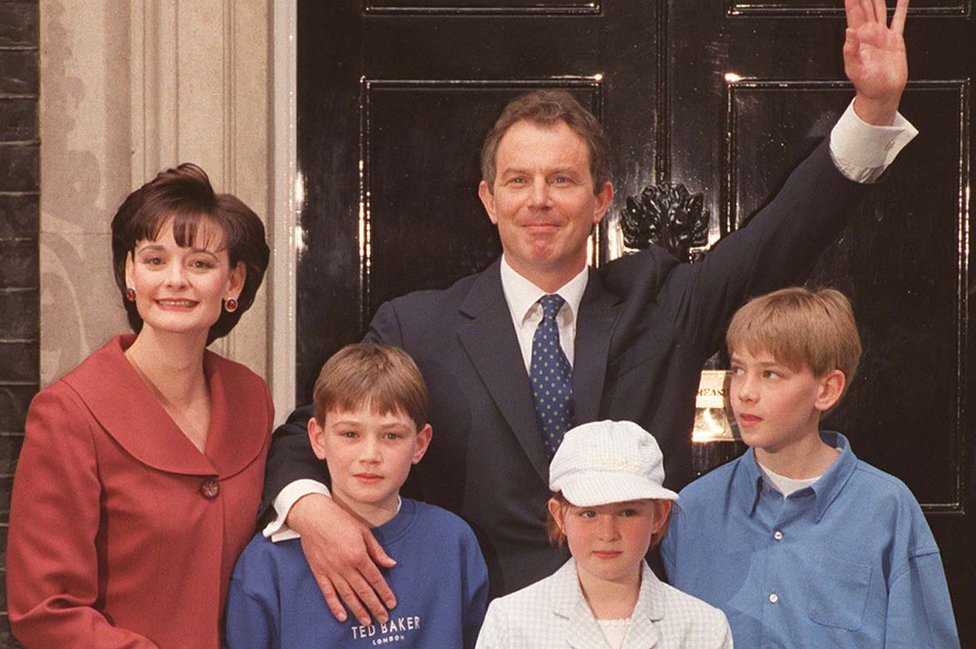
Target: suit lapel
(238, 404)
(489, 339)
(594, 325)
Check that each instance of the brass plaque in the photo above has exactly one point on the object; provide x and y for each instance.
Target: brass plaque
(713, 415)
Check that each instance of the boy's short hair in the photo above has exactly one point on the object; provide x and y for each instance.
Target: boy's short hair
(379, 377)
(800, 327)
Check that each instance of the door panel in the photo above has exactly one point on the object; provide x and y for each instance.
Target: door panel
(771, 86)
(393, 105)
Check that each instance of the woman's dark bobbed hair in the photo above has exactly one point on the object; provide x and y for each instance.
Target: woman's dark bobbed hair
(185, 196)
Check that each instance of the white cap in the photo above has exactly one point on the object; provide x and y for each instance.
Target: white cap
(607, 462)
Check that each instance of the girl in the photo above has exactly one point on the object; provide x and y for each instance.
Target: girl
(610, 507)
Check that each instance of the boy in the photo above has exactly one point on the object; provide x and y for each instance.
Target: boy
(798, 541)
(369, 426)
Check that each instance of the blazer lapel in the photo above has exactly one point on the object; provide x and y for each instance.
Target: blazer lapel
(582, 629)
(489, 339)
(594, 325)
(123, 405)
(643, 633)
(238, 405)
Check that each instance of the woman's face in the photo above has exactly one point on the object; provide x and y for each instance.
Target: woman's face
(182, 289)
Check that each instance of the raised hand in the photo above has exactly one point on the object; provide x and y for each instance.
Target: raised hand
(875, 59)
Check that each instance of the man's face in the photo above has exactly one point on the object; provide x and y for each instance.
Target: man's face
(543, 201)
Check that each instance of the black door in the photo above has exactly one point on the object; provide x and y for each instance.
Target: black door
(725, 97)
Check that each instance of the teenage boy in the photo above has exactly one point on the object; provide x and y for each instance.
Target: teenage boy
(798, 541)
(369, 426)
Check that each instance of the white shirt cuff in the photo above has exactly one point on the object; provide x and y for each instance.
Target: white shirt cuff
(278, 530)
(863, 151)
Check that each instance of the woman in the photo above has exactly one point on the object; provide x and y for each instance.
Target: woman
(141, 470)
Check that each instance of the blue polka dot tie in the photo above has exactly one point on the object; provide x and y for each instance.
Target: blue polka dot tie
(551, 376)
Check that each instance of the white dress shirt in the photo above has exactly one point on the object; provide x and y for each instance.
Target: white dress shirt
(522, 297)
(861, 152)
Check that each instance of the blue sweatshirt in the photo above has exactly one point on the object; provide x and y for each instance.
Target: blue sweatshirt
(440, 582)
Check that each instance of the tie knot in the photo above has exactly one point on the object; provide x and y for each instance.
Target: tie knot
(551, 305)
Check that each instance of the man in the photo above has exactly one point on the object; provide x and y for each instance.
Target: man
(626, 341)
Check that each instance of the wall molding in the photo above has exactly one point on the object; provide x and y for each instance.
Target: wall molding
(197, 70)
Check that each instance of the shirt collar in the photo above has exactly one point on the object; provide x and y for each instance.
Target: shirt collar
(521, 294)
(825, 490)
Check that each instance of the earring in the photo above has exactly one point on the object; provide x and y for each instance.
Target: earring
(230, 304)
(130, 294)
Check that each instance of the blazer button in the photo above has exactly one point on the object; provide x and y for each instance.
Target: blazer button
(210, 488)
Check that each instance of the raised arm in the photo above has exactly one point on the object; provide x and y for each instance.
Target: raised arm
(782, 242)
(875, 59)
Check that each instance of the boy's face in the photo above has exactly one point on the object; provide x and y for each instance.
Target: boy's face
(369, 456)
(778, 406)
(609, 542)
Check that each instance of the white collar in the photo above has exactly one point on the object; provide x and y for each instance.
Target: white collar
(784, 485)
(521, 294)
(289, 533)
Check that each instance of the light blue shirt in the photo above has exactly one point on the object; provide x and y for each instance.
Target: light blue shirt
(847, 562)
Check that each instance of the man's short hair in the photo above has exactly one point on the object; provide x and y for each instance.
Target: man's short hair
(800, 327)
(381, 378)
(547, 108)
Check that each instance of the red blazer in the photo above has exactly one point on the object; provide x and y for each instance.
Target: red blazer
(122, 534)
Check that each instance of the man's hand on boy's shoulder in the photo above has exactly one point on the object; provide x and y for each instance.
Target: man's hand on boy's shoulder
(344, 556)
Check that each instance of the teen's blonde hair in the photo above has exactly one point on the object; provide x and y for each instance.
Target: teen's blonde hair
(800, 327)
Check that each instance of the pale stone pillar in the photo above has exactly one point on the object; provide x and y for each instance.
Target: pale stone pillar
(128, 88)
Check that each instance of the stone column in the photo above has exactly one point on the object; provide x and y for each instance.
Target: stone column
(130, 88)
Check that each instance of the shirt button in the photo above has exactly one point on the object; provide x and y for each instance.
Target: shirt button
(210, 488)
(778, 535)
(773, 598)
